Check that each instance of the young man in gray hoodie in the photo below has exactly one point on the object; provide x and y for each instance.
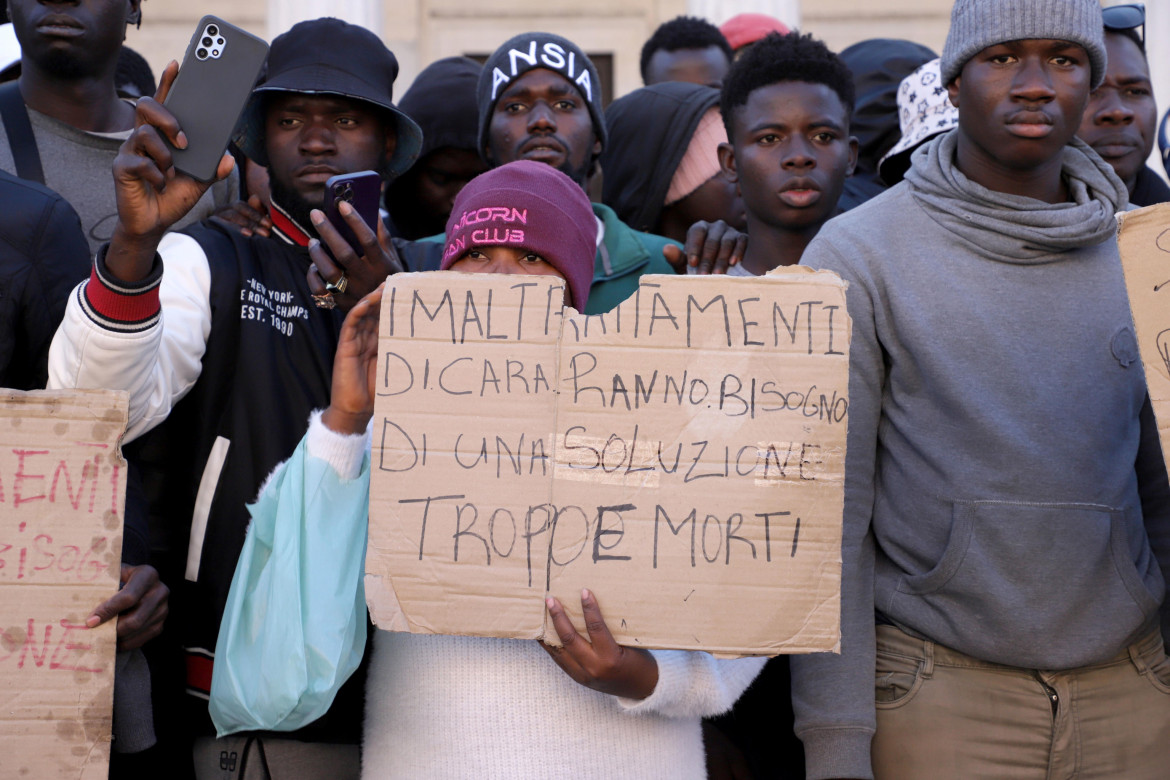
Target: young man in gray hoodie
(1006, 512)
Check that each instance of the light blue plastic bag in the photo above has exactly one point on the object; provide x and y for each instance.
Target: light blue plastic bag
(294, 628)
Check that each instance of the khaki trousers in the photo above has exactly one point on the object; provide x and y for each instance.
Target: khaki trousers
(942, 715)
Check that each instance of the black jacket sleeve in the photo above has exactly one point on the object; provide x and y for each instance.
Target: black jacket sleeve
(43, 255)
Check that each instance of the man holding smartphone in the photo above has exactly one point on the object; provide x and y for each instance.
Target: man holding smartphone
(226, 354)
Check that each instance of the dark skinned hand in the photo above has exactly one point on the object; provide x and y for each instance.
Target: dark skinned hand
(140, 606)
(600, 662)
(711, 248)
(355, 368)
(151, 195)
(249, 216)
(364, 273)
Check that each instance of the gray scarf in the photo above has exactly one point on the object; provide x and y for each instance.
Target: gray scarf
(1016, 229)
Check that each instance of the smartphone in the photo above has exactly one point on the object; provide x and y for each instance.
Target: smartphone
(363, 191)
(210, 92)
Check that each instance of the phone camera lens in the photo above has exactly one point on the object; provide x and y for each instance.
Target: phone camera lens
(206, 41)
(347, 192)
(219, 41)
(201, 54)
(212, 29)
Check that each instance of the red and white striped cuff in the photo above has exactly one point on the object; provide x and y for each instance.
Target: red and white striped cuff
(127, 307)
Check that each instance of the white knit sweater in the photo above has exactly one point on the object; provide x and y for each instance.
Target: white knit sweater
(448, 707)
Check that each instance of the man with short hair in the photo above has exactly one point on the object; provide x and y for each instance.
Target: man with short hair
(787, 104)
(63, 121)
(1007, 510)
(686, 48)
(228, 345)
(1121, 121)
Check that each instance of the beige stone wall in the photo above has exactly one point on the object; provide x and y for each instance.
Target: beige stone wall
(167, 25)
(841, 23)
(420, 31)
(423, 32)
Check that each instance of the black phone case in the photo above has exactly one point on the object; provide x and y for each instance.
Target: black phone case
(363, 191)
(210, 93)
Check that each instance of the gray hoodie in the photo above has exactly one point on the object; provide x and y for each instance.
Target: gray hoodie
(1005, 494)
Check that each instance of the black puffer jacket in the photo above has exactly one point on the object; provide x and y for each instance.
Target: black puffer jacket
(1150, 189)
(649, 131)
(43, 255)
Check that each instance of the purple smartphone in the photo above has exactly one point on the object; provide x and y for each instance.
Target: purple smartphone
(363, 191)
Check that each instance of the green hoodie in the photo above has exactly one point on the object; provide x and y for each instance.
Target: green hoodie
(624, 255)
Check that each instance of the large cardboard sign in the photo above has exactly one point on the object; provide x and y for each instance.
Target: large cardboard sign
(1144, 240)
(682, 456)
(62, 491)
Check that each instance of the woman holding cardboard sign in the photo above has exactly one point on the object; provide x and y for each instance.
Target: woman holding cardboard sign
(447, 706)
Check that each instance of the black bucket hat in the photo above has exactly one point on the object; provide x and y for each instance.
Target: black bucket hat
(331, 57)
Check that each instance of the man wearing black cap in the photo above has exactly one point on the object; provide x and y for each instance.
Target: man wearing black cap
(540, 99)
(227, 345)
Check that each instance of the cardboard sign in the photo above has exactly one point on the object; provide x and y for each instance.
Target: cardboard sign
(1144, 241)
(682, 456)
(62, 491)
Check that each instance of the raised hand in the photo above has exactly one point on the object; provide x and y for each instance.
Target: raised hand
(355, 368)
(151, 195)
(361, 274)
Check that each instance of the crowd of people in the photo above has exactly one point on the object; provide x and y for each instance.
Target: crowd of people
(1006, 531)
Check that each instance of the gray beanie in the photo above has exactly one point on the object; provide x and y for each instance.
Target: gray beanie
(978, 24)
(530, 50)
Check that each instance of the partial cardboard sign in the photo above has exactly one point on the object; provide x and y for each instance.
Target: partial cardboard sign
(62, 493)
(1144, 241)
(682, 456)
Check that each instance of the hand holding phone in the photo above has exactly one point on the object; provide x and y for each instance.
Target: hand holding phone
(149, 200)
(343, 265)
(363, 191)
